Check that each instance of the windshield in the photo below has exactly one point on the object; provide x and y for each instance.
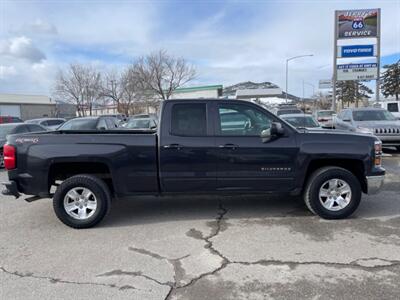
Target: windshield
(79, 124)
(302, 121)
(372, 115)
(325, 113)
(5, 130)
(138, 123)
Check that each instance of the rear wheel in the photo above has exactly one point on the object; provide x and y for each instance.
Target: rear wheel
(332, 193)
(82, 201)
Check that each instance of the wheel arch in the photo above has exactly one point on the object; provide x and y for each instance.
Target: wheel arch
(62, 170)
(355, 166)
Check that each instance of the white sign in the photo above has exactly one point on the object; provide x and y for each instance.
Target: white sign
(364, 71)
(325, 84)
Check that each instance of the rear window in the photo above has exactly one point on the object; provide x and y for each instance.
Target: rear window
(189, 119)
(289, 111)
(325, 113)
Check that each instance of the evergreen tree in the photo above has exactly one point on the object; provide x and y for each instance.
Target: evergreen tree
(390, 80)
(351, 91)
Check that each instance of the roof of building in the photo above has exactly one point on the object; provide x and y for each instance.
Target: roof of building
(198, 88)
(25, 99)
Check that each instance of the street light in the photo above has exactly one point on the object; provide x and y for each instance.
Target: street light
(287, 69)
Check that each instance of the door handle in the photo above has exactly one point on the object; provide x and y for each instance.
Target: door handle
(229, 146)
(173, 146)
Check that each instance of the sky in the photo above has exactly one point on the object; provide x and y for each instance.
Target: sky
(227, 41)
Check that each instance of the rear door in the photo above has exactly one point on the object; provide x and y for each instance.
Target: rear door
(187, 147)
(244, 161)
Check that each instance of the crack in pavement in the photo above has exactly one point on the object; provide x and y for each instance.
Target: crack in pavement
(58, 280)
(179, 271)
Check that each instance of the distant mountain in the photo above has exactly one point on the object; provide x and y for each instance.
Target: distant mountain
(231, 90)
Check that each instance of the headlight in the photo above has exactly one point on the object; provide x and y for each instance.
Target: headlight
(364, 130)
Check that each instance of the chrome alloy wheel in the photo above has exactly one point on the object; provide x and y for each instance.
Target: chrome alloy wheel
(335, 194)
(80, 203)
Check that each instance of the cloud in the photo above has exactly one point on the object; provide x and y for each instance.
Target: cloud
(37, 27)
(7, 71)
(21, 48)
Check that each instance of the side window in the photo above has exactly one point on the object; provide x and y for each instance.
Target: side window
(189, 119)
(242, 120)
(393, 107)
(102, 124)
(111, 123)
(54, 122)
(21, 129)
(44, 123)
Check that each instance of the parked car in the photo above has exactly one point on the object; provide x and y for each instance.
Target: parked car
(144, 123)
(9, 119)
(325, 117)
(194, 151)
(90, 123)
(14, 128)
(391, 106)
(48, 123)
(287, 111)
(301, 121)
(377, 121)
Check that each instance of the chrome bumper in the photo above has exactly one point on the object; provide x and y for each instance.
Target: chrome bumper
(374, 183)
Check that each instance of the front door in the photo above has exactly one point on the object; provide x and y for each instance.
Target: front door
(244, 161)
(187, 148)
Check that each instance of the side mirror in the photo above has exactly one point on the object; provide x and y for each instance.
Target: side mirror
(275, 131)
(102, 128)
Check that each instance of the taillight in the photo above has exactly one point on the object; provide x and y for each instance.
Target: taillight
(378, 153)
(9, 157)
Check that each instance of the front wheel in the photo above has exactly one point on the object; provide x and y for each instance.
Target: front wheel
(332, 193)
(82, 201)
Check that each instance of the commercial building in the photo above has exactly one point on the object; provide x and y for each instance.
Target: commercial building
(198, 92)
(26, 106)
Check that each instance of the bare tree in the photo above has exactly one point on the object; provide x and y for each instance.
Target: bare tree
(112, 88)
(79, 85)
(161, 74)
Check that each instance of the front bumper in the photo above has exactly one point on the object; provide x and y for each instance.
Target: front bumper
(10, 189)
(374, 183)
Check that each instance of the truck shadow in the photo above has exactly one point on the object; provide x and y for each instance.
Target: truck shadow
(148, 209)
(151, 210)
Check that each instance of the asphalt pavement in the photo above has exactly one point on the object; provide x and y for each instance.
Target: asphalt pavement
(205, 248)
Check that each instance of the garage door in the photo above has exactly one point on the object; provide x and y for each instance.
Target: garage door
(10, 110)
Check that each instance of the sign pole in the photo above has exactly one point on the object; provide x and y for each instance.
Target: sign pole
(334, 64)
(378, 54)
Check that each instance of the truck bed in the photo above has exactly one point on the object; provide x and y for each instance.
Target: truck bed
(116, 151)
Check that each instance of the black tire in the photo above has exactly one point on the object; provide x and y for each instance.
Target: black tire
(318, 179)
(96, 186)
(398, 148)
